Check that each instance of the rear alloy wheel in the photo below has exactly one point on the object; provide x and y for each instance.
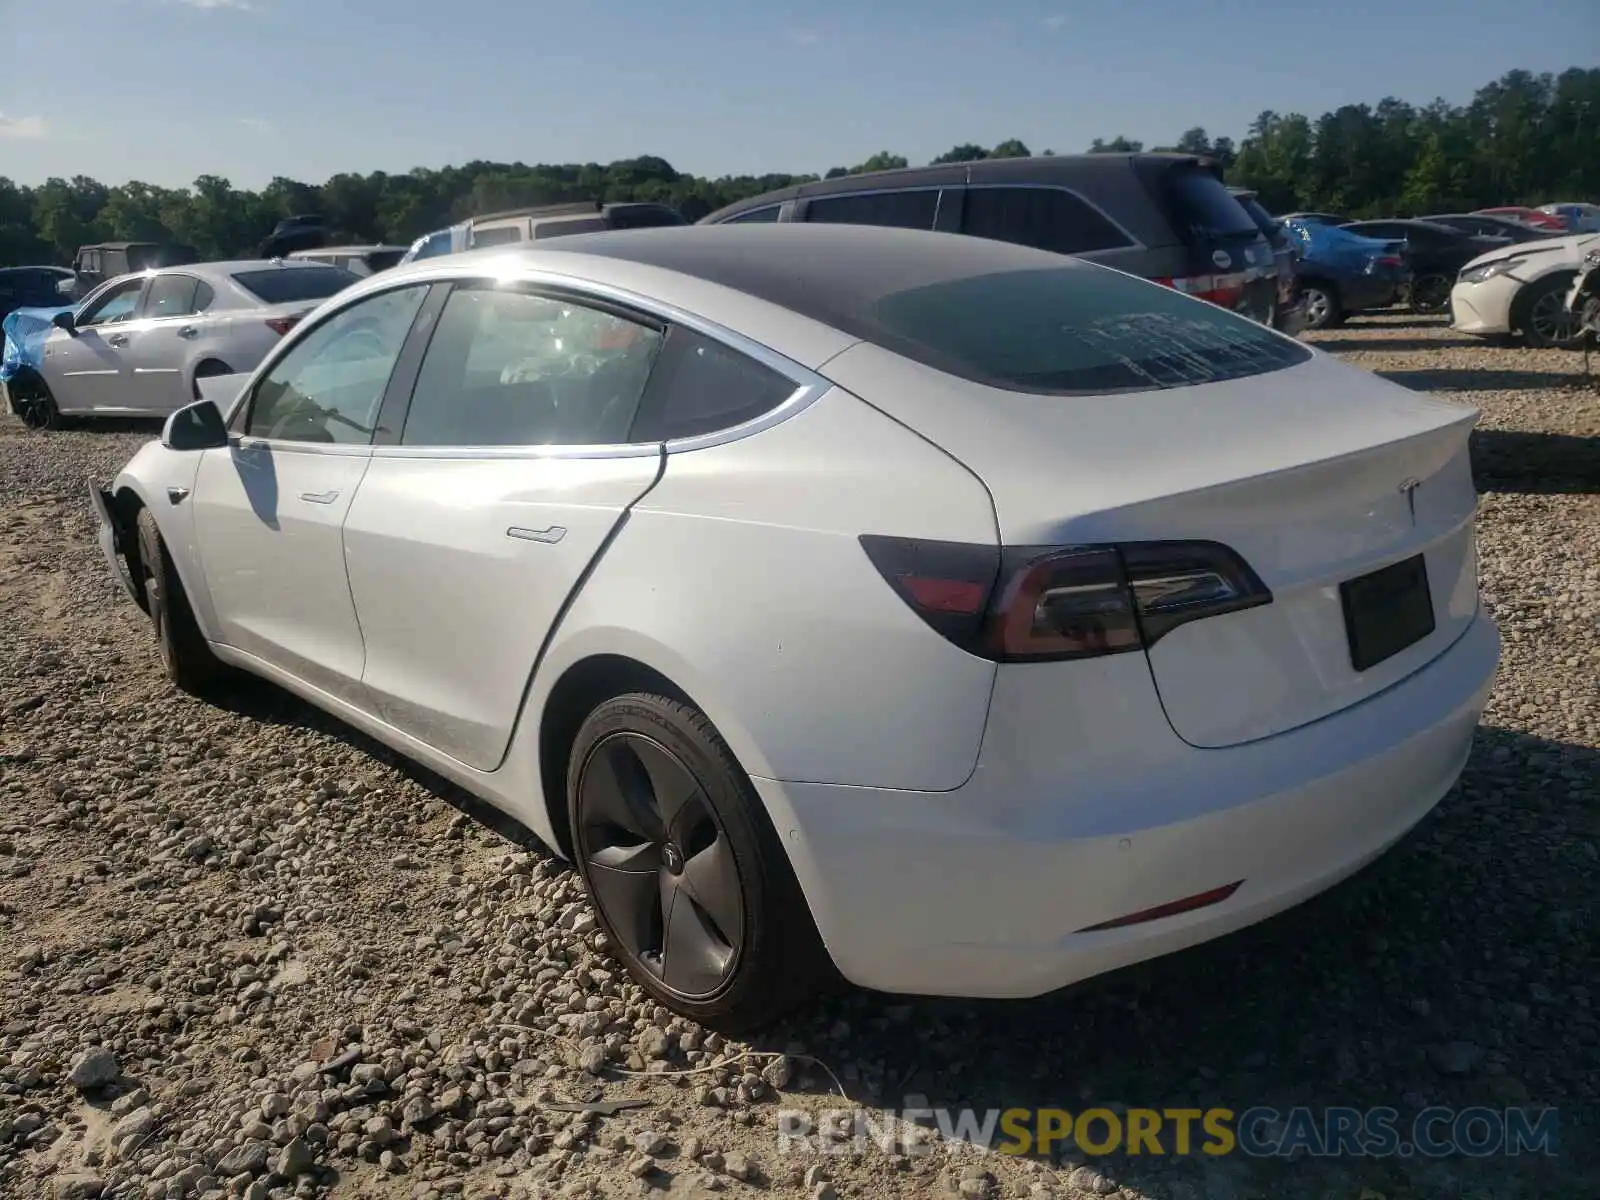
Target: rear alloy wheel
(687, 877)
(1430, 294)
(1321, 306)
(1543, 316)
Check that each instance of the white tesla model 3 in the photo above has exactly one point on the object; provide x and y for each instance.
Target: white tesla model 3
(927, 610)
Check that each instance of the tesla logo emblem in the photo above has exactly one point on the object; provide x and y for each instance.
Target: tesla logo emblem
(1408, 489)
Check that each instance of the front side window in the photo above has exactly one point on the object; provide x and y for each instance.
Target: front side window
(328, 387)
(511, 368)
(904, 210)
(170, 296)
(700, 386)
(1044, 218)
(763, 215)
(113, 306)
(1074, 329)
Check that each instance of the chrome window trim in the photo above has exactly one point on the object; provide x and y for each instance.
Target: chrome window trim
(809, 386)
(1133, 242)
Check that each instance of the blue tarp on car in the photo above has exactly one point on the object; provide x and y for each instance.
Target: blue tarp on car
(1335, 248)
(25, 332)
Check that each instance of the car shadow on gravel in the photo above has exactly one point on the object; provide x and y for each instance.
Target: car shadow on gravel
(1452, 379)
(257, 700)
(1453, 971)
(1514, 460)
(110, 425)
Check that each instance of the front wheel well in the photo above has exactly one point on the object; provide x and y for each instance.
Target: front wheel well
(125, 507)
(1523, 300)
(586, 684)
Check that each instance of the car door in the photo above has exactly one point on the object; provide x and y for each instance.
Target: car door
(87, 369)
(270, 506)
(470, 531)
(162, 340)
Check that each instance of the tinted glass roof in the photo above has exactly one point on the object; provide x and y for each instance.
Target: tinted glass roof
(835, 274)
(987, 311)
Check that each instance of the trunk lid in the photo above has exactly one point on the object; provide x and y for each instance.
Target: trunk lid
(1316, 474)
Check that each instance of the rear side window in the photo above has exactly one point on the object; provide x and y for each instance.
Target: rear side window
(496, 235)
(1203, 206)
(1044, 218)
(769, 213)
(204, 295)
(170, 296)
(550, 229)
(434, 244)
(701, 386)
(1076, 329)
(291, 284)
(905, 210)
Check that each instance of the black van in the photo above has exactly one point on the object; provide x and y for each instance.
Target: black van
(1167, 217)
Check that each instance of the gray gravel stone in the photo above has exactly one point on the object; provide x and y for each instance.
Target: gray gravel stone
(94, 1067)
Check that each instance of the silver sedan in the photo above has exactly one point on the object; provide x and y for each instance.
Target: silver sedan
(137, 345)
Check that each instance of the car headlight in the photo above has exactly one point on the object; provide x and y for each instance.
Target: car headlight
(1489, 270)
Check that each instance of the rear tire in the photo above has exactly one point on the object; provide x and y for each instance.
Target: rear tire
(184, 652)
(1542, 317)
(687, 876)
(1430, 294)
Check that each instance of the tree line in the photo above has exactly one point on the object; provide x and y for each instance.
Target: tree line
(1523, 139)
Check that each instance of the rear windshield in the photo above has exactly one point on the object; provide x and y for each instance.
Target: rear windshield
(382, 260)
(1262, 218)
(1071, 330)
(1203, 205)
(287, 284)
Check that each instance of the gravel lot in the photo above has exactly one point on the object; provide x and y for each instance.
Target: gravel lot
(312, 970)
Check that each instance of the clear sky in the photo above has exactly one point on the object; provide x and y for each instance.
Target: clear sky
(165, 90)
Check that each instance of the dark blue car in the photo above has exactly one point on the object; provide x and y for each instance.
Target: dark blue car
(1341, 273)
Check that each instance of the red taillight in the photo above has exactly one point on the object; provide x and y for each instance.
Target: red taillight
(1225, 290)
(1039, 604)
(1391, 260)
(282, 325)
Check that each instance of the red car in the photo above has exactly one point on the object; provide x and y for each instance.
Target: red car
(1528, 216)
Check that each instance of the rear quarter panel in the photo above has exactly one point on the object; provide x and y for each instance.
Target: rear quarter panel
(740, 578)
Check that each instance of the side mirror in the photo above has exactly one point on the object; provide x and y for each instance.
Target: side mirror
(198, 426)
(65, 321)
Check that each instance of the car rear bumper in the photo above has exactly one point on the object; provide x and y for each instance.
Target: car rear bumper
(990, 890)
(1483, 308)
